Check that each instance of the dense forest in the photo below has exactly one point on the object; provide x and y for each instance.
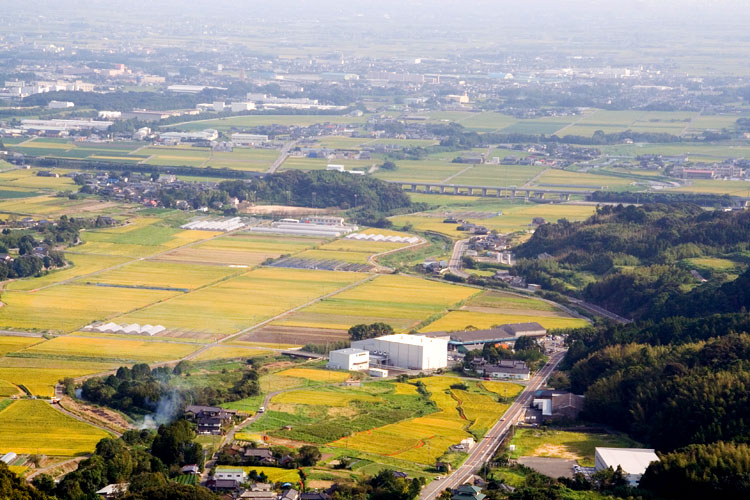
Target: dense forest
(632, 260)
(678, 378)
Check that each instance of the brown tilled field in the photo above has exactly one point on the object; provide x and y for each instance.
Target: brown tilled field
(295, 335)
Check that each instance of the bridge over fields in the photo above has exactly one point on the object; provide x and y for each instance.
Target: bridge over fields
(493, 191)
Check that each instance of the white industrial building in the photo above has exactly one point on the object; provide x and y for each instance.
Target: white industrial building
(208, 134)
(412, 352)
(634, 461)
(59, 104)
(349, 359)
(242, 106)
(58, 125)
(244, 140)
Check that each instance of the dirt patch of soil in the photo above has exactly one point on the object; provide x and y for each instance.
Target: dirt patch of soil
(555, 450)
(295, 335)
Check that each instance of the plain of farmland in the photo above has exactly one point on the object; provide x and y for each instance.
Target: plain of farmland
(248, 121)
(401, 301)
(242, 301)
(241, 249)
(163, 274)
(110, 349)
(69, 307)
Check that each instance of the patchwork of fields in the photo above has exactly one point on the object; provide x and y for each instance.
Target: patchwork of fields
(401, 301)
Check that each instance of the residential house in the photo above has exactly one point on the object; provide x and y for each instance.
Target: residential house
(468, 492)
(230, 473)
(113, 490)
(508, 369)
(210, 419)
(258, 456)
(557, 404)
(290, 494)
(191, 469)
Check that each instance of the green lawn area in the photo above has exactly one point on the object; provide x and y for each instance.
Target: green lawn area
(563, 444)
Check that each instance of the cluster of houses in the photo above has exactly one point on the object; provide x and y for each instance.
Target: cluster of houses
(140, 188)
(467, 226)
(210, 419)
(234, 483)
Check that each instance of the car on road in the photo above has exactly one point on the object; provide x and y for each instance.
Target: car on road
(262, 409)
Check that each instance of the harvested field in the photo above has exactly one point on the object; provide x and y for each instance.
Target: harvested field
(275, 334)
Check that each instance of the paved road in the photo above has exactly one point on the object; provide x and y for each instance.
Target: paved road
(600, 311)
(455, 264)
(283, 155)
(485, 449)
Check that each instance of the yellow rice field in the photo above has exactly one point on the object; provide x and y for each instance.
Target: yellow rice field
(401, 301)
(71, 307)
(242, 301)
(12, 344)
(34, 427)
(111, 349)
(40, 375)
(164, 274)
(315, 375)
(459, 320)
(322, 397)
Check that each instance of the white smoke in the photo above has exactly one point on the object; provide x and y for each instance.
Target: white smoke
(166, 411)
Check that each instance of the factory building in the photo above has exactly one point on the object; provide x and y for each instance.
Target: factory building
(411, 352)
(634, 461)
(350, 359)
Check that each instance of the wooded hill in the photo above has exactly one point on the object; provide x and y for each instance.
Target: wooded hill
(631, 260)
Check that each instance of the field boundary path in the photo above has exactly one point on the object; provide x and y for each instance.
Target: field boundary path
(485, 449)
(576, 122)
(373, 259)
(56, 465)
(453, 176)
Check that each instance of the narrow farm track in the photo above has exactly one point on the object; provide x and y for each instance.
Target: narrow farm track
(81, 419)
(453, 176)
(373, 259)
(58, 465)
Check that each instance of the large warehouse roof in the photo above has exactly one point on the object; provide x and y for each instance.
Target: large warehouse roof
(403, 338)
(501, 333)
(632, 460)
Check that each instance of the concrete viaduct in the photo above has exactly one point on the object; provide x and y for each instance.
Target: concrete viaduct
(490, 191)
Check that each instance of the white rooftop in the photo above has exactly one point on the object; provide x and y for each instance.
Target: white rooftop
(403, 338)
(632, 460)
(350, 350)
